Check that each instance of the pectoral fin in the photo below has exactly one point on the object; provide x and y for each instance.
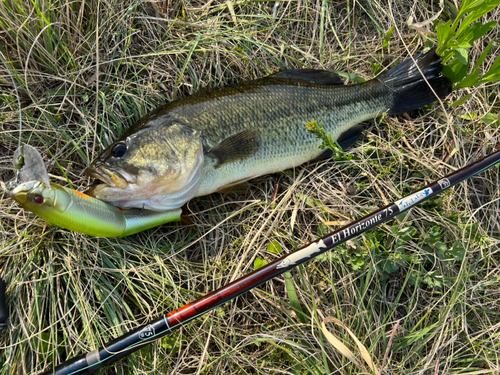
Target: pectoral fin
(235, 148)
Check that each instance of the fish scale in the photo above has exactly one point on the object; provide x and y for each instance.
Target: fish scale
(239, 132)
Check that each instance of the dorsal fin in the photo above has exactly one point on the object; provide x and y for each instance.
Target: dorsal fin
(237, 147)
(310, 76)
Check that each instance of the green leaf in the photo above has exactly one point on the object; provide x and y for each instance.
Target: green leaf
(473, 78)
(462, 55)
(489, 118)
(447, 55)
(455, 71)
(292, 296)
(474, 32)
(458, 251)
(358, 263)
(387, 37)
(468, 116)
(484, 54)
(323, 229)
(259, 262)
(444, 33)
(476, 10)
(493, 74)
(464, 7)
(274, 247)
(376, 68)
(351, 77)
(327, 142)
(405, 234)
(461, 100)
(433, 279)
(441, 246)
(470, 80)
(433, 235)
(464, 44)
(389, 266)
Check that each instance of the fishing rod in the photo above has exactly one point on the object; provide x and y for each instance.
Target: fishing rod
(120, 347)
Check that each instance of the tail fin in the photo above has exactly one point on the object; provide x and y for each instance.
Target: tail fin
(411, 91)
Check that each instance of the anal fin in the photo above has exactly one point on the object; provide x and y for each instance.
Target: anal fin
(346, 140)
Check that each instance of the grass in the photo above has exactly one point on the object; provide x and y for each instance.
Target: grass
(420, 293)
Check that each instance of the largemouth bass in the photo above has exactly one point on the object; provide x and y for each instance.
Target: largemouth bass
(202, 144)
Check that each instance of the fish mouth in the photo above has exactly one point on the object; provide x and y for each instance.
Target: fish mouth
(106, 178)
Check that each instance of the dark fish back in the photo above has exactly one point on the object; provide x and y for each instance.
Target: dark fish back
(276, 109)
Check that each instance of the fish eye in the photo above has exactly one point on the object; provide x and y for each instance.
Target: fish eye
(38, 199)
(119, 150)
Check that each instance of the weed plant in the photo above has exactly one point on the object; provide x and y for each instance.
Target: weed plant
(420, 293)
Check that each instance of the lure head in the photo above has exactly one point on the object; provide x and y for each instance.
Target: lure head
(37, 197)
(32, 188)
(153, 167)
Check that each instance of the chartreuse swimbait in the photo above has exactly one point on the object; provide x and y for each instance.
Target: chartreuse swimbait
(79, 212)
